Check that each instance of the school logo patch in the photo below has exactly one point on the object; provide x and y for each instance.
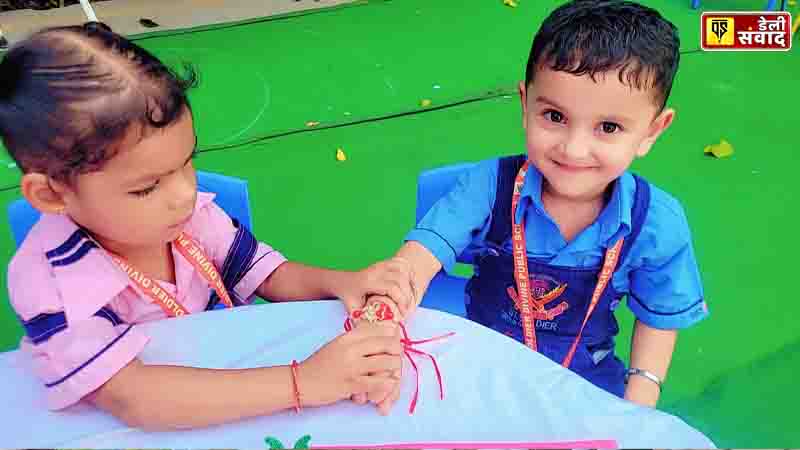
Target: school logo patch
(544, 291)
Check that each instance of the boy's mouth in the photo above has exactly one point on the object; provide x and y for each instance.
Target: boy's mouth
(570, 167)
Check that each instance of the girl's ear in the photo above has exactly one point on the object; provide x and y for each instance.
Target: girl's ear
(43, 193)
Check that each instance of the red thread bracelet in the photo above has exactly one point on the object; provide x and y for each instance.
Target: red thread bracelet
(296, 387)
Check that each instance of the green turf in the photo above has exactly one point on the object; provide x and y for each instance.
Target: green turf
(378, 60)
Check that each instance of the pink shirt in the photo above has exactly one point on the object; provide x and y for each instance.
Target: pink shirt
(78, 307)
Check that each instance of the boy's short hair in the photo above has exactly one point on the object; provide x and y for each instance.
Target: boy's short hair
(595, 36)
(69, 95)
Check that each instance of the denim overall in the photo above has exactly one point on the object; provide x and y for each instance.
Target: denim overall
(491, 292)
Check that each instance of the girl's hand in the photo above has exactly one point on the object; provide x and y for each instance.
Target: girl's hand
(346, 366)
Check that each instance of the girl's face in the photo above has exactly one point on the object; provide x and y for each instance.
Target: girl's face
(144, 195)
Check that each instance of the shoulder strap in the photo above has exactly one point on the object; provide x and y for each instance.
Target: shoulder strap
(641, 204)
(507, 168)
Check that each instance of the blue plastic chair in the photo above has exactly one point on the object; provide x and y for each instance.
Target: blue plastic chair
(231, 195)
(446, 292)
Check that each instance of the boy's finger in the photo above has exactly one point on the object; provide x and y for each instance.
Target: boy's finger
(399, 293)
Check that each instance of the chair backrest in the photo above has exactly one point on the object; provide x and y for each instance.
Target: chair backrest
(433, 184)
(231, 195)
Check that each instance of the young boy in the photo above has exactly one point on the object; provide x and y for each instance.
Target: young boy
(547, 229)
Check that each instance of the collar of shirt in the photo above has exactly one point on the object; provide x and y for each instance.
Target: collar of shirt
(84, 274)
(613, 222)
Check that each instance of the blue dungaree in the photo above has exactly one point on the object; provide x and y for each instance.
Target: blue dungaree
(490, 303)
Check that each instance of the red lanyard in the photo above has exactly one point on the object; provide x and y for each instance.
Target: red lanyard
(522, 277)
(193, 253)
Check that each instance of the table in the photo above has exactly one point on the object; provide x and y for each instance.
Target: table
(498, 393)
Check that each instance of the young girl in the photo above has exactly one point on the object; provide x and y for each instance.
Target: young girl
(103, 132)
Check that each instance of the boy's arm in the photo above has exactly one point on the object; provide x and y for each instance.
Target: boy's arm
(425, 265)
(665, 293)
(651, 350)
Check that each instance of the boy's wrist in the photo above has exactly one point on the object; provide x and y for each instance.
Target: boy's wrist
(336, 281)
(642, 391)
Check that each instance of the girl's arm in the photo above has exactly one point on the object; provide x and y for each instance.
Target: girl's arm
(171, 397)
(292, 281)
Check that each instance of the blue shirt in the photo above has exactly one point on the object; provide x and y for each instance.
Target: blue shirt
(660, 272)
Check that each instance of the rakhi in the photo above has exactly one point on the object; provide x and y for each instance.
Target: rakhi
(379, 311)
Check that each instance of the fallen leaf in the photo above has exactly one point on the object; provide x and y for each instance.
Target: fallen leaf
(722, 150)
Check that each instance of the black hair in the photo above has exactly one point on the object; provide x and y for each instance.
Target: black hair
(592, 37)
(69, 95)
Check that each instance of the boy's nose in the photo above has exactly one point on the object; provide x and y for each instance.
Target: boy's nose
(575, 147)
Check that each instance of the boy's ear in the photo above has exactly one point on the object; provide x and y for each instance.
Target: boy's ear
(660, 124)
(42, 193)
(523, 97)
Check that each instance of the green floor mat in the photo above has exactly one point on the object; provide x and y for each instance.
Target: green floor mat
(754, 406)
(356, 62)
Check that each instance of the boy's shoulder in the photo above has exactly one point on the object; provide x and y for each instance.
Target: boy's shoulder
(666, 229)
(665, 211)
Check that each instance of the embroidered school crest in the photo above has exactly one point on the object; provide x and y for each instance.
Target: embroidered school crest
(545, 290)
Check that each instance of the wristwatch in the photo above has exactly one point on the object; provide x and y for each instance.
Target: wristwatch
(641, 372)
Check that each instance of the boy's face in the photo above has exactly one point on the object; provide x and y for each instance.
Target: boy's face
(582, 134)
(144, 195)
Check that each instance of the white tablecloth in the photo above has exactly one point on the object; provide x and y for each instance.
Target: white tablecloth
(497, 392)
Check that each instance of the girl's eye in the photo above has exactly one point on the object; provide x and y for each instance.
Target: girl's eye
(146, 191)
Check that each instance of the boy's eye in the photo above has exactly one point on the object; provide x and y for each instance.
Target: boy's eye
(610, 127)
(554, 116)
(146, 191)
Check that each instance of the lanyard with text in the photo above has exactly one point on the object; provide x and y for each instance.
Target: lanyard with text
(521, 275)
(193, 253)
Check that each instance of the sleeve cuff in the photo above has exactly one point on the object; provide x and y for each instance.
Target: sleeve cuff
(269, 260)
(436, 244)
(96, 371)
(683, 318)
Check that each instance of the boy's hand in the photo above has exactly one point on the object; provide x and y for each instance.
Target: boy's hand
(391, 278)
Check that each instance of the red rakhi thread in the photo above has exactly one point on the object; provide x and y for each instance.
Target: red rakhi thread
(379, 311)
